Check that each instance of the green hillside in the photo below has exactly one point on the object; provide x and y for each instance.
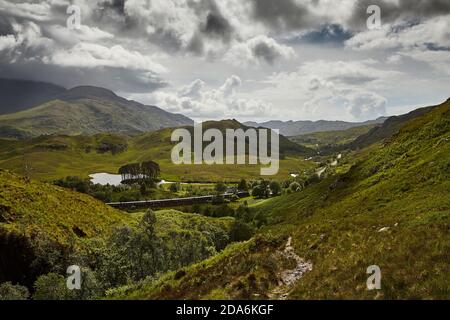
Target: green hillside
(52, 157)
(87, 110)
(328, 139)
(390, 209)
(34, 216)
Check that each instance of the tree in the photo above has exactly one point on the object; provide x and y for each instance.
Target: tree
(51, 286)
(9, 291)
(240, 231)
(150, 169)
(220, 187)
(243, 185)
(148, 221)
(275, 187)
(258, 191)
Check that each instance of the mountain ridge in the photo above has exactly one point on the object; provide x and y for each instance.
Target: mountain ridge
(87, 110)
(294, 128)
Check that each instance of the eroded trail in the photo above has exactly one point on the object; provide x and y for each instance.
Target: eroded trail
(288, 277)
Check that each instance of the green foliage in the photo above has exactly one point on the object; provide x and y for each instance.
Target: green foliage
(50, 287)
(175, 187)
(295, 187)
(241, 231)
(243, 185)
(220, 188)
(275, 188)
(9, 291)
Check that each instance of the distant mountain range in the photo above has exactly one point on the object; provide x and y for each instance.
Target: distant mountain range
(47, 109)
(295, 128)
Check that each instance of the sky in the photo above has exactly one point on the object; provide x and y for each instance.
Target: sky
(251, 60)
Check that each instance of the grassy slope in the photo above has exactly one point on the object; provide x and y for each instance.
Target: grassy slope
(336, 224)
(331, 137)
(30, 207)
(54, 157)
(172, 220)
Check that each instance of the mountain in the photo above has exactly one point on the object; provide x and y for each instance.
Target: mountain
(18, 95)
(88, 110)
(390, 127)
(388, 206)
(295, 128)
(327, 139)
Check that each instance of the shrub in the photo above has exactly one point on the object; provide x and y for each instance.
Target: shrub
(51, 286)
(9, 291)
(241, 231)
(275, 187)
(295, 187)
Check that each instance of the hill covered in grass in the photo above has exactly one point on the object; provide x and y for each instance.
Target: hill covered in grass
(390, 209)
(296, 128)
(33, 214)
(327, 139)
(389, 128)
(58, 156)
(85, 111)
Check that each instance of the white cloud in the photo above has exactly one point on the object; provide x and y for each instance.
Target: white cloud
(89, 55)
(330, 89)
(38, 11)
(201, 102)
(433, 31)
(7, 42)
(256, 50)
(72, 36)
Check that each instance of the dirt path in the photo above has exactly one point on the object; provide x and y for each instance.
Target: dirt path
(289, 277)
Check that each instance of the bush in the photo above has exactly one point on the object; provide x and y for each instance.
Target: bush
(295, 187)
(175, 187)
(50, 287)
(275, 187)
(243, 186)
(241, 231)
(220, 187)
(9, 291)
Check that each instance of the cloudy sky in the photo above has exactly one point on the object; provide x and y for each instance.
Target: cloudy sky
(243, 59)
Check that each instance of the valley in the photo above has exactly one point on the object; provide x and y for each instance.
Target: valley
(341, 201)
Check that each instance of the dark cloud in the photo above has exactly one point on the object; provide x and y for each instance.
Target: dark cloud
(5, 26)
(263, 51)
(116, 79)
(196, 44)
(282, 14)
(115, 5)
(217, 26)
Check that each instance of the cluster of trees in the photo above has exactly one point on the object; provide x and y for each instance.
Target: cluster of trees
(107, 193)
(130, 254)
(140, 171)
(265, 189)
